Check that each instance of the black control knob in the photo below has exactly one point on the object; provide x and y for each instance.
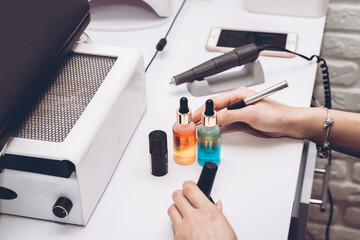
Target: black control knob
(62, 207)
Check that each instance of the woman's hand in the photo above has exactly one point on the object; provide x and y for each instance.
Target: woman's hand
(267, 116)
(274, 119)
(195, 217)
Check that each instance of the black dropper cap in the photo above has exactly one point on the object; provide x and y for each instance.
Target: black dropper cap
(183, 105)
(207, 178)
(158, 153)
(209, 108)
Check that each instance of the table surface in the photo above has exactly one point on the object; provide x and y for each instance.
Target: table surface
(257, 177)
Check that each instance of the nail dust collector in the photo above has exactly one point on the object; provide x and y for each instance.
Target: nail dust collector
(60, 160)
(161, 7)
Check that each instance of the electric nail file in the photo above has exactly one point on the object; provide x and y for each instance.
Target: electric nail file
(239, 56)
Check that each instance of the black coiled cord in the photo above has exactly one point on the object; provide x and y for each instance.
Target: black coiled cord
(326, 80)
(323, 67)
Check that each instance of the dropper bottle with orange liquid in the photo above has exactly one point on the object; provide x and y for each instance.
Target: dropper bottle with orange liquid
(184, 135)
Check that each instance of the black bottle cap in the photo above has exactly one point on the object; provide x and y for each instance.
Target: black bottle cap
(209, 108)
(207, 178)
(158, 142)
(158, 153)
(183, 105)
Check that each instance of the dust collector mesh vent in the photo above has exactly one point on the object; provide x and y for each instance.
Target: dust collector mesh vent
(76, 82)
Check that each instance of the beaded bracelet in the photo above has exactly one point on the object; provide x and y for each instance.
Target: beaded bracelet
(324, 149)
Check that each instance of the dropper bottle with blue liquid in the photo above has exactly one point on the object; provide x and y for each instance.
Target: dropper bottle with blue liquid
(208, 136)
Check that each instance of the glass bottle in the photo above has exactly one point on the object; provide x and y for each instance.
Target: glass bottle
(184, 135)
(208, 136)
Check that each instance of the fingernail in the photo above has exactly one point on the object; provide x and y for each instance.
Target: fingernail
(219, 205)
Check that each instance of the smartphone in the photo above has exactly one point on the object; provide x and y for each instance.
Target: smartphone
(225, 40)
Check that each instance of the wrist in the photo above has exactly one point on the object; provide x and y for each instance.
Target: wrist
(306, 123)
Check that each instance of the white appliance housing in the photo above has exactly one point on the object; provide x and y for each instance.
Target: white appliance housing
(300, 8)
(161, 7)
(93, 146)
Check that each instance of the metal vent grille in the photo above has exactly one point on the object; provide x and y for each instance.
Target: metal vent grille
(76, 82)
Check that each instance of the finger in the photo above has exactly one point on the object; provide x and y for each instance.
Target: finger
(196, 197)
(226, 99)
(174, 215)
(246, 115)
(181, 202)
(196, 116)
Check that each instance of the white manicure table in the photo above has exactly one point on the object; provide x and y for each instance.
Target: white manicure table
(257, 180)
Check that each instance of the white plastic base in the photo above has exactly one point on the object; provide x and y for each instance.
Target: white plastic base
(248, 75)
